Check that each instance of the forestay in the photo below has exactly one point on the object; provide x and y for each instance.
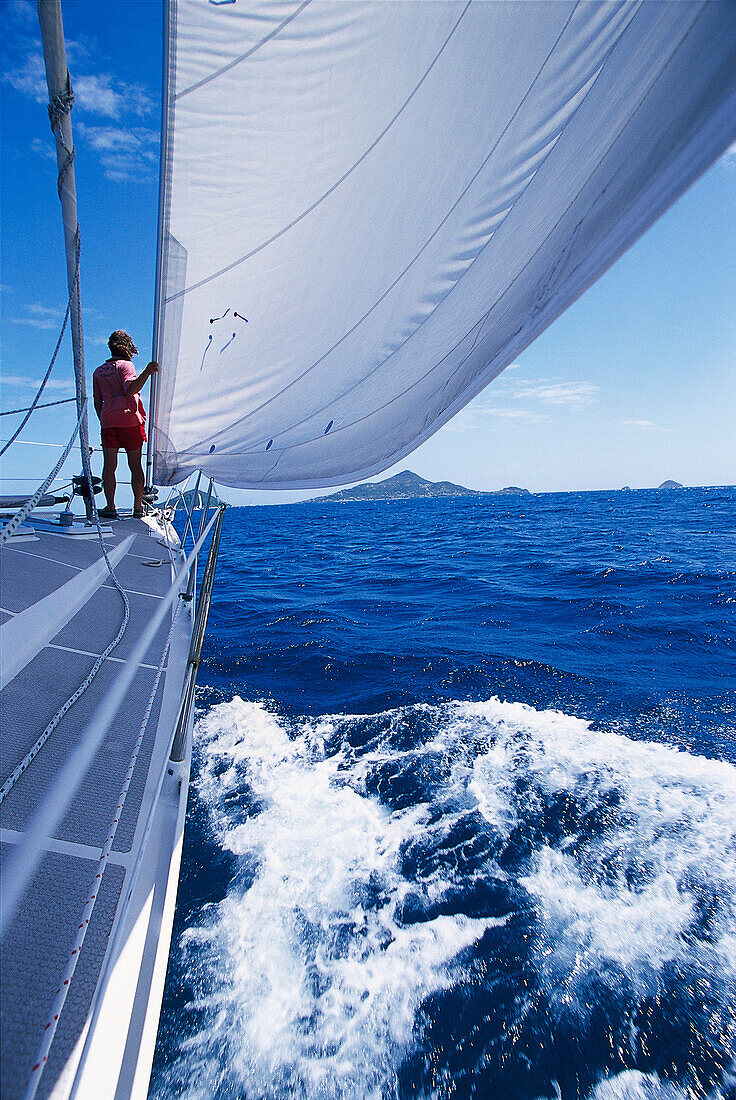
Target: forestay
(369, 209)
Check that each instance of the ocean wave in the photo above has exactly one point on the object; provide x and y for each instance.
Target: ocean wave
(470, 899)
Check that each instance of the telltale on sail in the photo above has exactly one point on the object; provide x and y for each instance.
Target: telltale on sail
(400, 197)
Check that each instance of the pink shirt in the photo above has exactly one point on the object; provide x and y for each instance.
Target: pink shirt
(118, 409)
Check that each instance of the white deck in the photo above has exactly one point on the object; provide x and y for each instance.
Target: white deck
(59, 611)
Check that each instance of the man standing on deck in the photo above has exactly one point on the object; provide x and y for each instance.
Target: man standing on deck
(122, 416)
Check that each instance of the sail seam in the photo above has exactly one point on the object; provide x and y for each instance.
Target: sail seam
(426, 244)
(246, 55)
(485, 317)
(482, 320)
(335, 185)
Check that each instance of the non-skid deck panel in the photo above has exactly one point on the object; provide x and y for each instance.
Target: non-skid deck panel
(32, 698)
(41, 935)
(30, 701)
(34, 955)
(79, 553)
(133, 574)
(96, 624)
(26, 580)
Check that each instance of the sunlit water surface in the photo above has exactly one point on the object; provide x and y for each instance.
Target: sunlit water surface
(463, 807)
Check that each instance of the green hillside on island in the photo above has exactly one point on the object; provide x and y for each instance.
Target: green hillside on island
(407, 486)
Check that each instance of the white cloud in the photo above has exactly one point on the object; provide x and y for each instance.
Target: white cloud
(97, 93)
(516, 414)
(21, 381)
(44, 323)
(23, 12)
(125, 154)
(29, 78)
(104, 94)
(644, 425)
(44, 311)
(46, 149)
(477, 417)
(575, 394)
(43, 317)
(537, 393)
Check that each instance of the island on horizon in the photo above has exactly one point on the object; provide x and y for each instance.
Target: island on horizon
(408, 486)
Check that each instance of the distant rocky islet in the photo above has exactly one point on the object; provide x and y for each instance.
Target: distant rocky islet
(409, 486)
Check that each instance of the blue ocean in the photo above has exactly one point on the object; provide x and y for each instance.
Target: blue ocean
(463, 809)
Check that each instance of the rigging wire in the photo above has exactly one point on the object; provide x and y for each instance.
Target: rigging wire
(37, 443)
(35, 405)
(73, 290)
(12, 525)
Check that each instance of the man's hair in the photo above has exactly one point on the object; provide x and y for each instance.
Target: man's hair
(120, 343)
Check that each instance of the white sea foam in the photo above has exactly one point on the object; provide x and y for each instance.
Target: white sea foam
(309, 985)
(314, 995)
(632, 1085)
(674, 820)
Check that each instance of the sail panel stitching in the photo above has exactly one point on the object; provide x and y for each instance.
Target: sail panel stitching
(336, 184)
(244, 56)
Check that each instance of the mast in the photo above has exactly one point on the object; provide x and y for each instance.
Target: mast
(163, 185)
(61, 98)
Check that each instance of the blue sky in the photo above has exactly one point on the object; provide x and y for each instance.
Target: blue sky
(635, 383)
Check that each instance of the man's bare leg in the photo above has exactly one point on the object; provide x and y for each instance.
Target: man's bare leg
(109, 467)
(137, 479)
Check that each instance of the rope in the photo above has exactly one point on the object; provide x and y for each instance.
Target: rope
(34, 403)
(43, 738)
(12, 526)
(59, 106)
(25, 858)
(62, 103)
(15, 523)
(86, 915)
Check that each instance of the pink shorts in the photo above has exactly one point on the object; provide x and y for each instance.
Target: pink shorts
(130, 439)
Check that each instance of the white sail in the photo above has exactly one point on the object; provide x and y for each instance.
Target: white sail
(369, 209)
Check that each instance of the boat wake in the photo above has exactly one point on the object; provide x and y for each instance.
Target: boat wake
(472, 899)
